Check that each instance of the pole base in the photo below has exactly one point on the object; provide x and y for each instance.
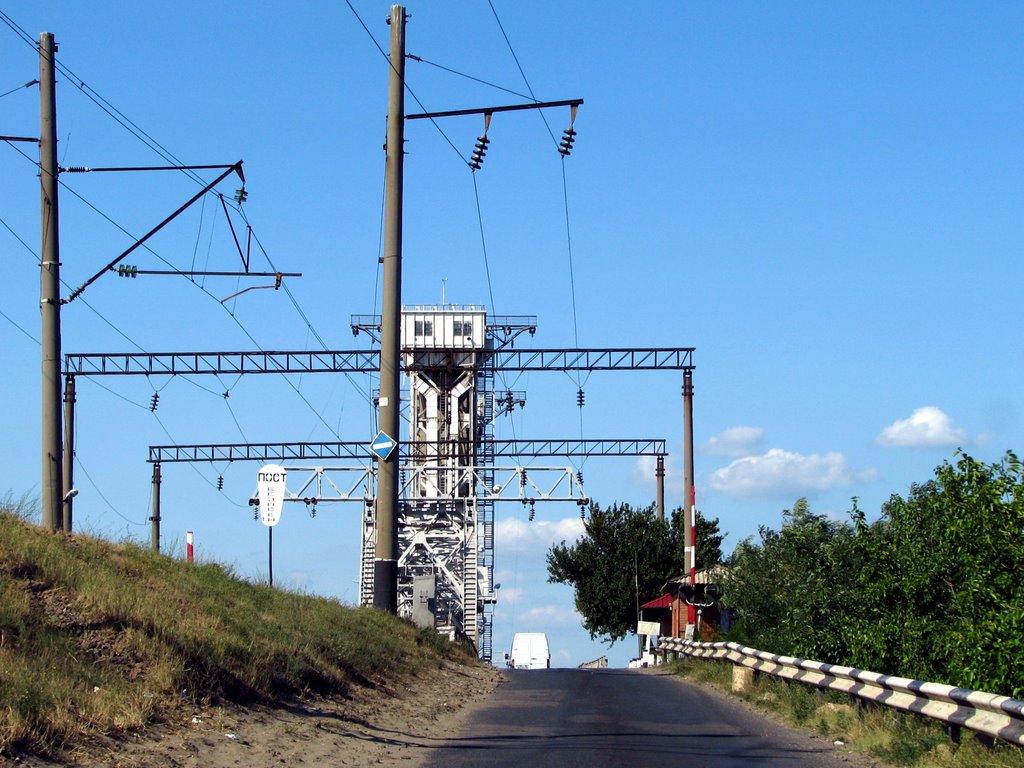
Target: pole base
(385, 585)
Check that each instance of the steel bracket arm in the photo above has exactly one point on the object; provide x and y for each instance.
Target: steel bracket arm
(236, 168)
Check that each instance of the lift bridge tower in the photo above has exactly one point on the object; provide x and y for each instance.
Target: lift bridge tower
(449, 481)
(445, 527)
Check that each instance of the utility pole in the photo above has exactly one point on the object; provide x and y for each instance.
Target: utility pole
(690, 510)
(659, 475)
(51, 492)
(154, 519)
(69, 451)
(385, 565)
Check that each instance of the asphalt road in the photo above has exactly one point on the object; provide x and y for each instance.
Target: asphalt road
(595, 718)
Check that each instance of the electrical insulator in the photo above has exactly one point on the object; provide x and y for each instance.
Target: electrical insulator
(241, 195)
(154, 401)
(127, 270)
(579, 477)
(533, 512)
(220, 482)
(478, 152)
(256, 514)
(522, 478)
(579, 397)
(568, 137)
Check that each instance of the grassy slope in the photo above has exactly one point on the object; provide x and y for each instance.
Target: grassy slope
(101, 637)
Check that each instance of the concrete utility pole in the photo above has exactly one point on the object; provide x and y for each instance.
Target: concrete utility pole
(154, 520)
(69, 451)
(50, 491)
(690, 510)
(385, 565)
(659, 476)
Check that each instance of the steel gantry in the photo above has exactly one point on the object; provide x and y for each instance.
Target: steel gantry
(452, 471)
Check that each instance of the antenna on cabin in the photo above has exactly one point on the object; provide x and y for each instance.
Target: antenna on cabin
(444, 283)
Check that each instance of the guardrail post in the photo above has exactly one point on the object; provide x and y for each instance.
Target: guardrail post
(742, 678)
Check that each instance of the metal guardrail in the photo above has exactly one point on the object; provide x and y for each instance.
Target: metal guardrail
(1001, 717)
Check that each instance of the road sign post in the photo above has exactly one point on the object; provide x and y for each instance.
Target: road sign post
(270, 485)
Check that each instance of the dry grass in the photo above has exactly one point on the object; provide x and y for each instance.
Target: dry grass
(894, 737)
(98, 637)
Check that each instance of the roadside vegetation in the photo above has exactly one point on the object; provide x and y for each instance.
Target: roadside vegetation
(102, 638)
(894, 737)
(932, 590)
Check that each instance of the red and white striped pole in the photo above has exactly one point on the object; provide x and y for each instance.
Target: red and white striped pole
(188, 546)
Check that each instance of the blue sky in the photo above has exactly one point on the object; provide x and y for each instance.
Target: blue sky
(825, 199)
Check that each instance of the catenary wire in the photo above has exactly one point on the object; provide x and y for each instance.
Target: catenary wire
(404, 82)
(15, 324)
(522, 72)
(96, 488)
(421, 60)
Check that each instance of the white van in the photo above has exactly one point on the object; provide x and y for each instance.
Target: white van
(529, 651)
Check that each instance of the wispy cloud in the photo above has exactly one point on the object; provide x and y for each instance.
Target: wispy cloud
(780, 473)
(735, 442)
(927, 427)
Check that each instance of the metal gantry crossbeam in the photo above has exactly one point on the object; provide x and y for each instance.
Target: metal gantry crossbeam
(357, 449)
(527, 485)
(368, 361)
(199, 363)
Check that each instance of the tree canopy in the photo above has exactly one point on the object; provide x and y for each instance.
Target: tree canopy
(932, 590)
(623, 559)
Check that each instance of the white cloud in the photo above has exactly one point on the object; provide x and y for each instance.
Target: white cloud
(547, 615)
(510, 595)
(539, 533)
(927, 427)
(644, 475)
(780, 473)
(735, 442)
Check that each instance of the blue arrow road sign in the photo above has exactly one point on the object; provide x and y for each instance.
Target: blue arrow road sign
(382, 445)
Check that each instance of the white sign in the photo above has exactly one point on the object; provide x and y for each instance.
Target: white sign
(648, 628)
(270, 490)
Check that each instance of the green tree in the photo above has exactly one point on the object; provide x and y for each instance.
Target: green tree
(932, 590)
(941, 580)
(623, 559)
(793, 586)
